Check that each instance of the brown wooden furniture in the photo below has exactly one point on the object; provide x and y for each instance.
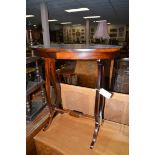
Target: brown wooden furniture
(66, 74)
(74, 52)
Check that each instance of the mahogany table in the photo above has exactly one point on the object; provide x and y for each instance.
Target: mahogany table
(76, 52)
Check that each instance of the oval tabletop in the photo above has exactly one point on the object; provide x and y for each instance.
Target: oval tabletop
(77, 51)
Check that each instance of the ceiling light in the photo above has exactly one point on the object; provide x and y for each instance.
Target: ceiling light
(35, 25)
(76, 25)
(77, 10)
(97, 21)
(91, 17)
(66, 23)
(52, 20)
(27, 16)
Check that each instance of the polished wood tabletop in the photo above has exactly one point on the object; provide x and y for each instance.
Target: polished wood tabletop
(77, 51)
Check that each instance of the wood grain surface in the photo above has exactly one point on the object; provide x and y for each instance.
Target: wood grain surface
(78, 51)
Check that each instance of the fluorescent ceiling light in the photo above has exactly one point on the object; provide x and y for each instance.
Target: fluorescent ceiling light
(76, 25)
(52, 20)
(27, 16)
(77, 10)
(35, 25)
(91, 17)
(66, 23)
(97, 21)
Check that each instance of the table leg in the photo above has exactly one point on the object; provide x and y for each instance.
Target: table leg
(56, 84)
(111, 72)
(50, 75)
(48, 93)
(99, 102)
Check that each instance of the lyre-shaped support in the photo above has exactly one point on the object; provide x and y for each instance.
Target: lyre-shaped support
(50, 74)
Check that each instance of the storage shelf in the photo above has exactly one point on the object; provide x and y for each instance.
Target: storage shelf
(33, 86)
(31, 59)
(30, 70)
(35, 109)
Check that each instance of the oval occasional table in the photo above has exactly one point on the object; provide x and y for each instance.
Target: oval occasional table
(76, 52)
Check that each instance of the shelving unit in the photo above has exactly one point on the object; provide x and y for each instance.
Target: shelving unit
(34, 85)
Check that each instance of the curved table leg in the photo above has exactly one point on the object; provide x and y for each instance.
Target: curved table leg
(47, 89)
(50, 119)
(56, 84)
(97, 126)
(50, 74)
(99, 102)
